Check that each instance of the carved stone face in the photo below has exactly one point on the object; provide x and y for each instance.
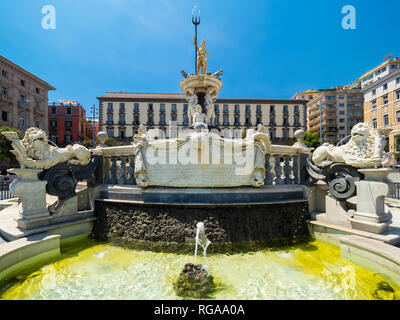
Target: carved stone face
(38, 139)
(360, 132)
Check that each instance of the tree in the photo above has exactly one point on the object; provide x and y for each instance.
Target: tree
(311, 139)
(5, 145)
(88, 144)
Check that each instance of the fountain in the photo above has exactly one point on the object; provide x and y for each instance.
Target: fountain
(145, 200)
(195, 281)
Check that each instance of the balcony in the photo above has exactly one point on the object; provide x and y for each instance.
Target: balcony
(5, 98)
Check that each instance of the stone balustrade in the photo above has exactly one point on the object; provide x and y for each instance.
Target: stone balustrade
(285, 165)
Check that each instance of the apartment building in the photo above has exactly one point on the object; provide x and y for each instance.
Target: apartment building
(23, 97)
(381, 89)
(68, 123)
(122, 113)
(306, 95)
(334, 112)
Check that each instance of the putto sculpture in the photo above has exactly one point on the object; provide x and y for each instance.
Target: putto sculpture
(34, 151)
(364, 150)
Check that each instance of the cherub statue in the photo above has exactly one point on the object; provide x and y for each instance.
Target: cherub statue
(210, 114)
(202, 57)
(199, 116)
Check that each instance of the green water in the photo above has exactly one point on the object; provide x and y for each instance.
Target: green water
(105, 271)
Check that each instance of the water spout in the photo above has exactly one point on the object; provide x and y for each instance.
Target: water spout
(201, 239)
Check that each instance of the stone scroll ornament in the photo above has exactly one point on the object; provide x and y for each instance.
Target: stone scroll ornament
(337, 166)
(62, 167)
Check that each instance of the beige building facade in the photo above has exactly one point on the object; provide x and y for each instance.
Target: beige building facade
(381, 88)
(22, 93)
(335, 112)
(121, 114)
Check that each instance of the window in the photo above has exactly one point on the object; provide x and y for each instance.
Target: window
(385, 99)
(53, 110)
(385, 119)
(341, 105)
(248, 109)
(69, 111)
(136, 120)
(296, 109)
(285, 134)
(53, 124)
(4, 115)
(398, 115)
(110, 133)
(68, 124)
(226, 120)
(272, 109)
(285, 121)
(162, 107)
(226, 108)
(110, 107)
(237, 108)
(285, 109)
(237, 121)
(4, 91)
(398, 95)
(136, 107)
(351, 98)
(38, 90)
(310, 97)
(186, 107)
(342, 128)
(258, 121)
(150, 108)
(392, 66)
(173, 109)
(373, 104)
(341, 113)
(109, 119)
(248, 121)
(341, 120)
(398, 80)
(216, 121)
(216, 108)
(121, 119)
(272, 121)
(122, 107)
(150, 119)
(122, 134)
(185, 120)
(296, 121)
(374, 92)
(173, 118)
(385, 86)
(350, 105)
(37, 124)
(162, 119)
(272, 133)
(23, 83)
(258, 108)
(341, 97)
(4, 73)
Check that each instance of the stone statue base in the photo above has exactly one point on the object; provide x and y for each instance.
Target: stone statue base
(194, 282)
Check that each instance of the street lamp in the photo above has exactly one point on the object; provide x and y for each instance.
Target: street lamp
(25, 101)
(196, 22)
(94, 112)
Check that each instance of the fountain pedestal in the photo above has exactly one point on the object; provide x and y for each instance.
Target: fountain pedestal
(32, 198)
(371, 214)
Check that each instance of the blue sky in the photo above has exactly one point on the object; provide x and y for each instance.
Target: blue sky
(267, 48)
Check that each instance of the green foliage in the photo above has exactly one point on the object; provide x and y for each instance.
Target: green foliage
(311, 139)
(397, 156)
(5, 145)
(111, 142)
(88, 144)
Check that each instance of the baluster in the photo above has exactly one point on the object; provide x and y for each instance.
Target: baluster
(287, 169)
(269, 179)
(122, 168)
(278, 170)
(295, 168)
(114, 179)
(131, 170)
(107, 172)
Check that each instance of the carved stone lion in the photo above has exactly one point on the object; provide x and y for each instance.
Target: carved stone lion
(41, 155)
(364, 150)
